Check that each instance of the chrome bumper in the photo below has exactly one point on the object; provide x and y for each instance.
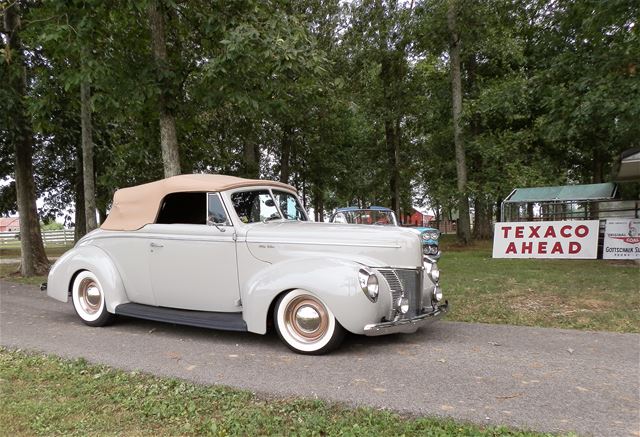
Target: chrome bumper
(406, 326)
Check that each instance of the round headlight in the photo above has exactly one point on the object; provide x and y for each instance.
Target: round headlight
(372, 287)
(434, 235)
(369, 284)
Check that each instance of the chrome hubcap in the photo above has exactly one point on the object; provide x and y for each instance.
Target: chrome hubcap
(306, 319)
(89, 296)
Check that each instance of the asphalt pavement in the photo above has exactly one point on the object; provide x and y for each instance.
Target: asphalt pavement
(541, 379)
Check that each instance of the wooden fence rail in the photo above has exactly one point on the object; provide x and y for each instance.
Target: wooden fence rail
(64, 236)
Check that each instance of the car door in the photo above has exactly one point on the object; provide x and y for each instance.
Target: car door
(192, 256)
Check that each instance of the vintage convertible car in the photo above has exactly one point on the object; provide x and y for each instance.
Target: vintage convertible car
(379, 215)
(236, 254)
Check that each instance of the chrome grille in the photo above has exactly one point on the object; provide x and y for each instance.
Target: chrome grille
(412, 286)
(407, 283)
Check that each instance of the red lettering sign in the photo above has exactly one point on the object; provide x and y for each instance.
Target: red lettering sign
(542, 247)
(574, 247)
(556, 239)
(533, 231)
(582, 231)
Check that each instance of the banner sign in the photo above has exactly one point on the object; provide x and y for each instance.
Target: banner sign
(622, 239)
(562, 239)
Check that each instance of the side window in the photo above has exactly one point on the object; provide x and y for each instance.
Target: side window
(254, 206)
(290, 206)
(186, 208)
(215, 210)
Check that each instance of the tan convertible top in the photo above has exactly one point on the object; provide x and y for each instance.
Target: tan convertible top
(137, 206)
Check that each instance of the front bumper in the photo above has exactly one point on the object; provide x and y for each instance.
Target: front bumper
(406, 326)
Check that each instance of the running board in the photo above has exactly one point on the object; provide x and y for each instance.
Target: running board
(199, 319)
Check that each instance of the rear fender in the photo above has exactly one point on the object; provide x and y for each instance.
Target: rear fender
(94, 259)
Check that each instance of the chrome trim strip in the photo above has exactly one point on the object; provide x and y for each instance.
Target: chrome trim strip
(166, 237)
(317, 243)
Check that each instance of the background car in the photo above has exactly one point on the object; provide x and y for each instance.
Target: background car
(238, 254)
(379, 215)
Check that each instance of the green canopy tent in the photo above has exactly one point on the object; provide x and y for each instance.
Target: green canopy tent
(556, 203)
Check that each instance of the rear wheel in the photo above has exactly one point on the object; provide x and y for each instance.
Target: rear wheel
(305, 324)
(89, 301)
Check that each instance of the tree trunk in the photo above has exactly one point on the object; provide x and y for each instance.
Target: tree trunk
(287, 143)
(168, 135)
(318, 203)
(251, 160)
(80, 223)
(482, 220)
(87, 157)
(464, 224)
(391, 126)
(34, 260)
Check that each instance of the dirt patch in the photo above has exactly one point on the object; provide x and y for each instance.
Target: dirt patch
(556, 306)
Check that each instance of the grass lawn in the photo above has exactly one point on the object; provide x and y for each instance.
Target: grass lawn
(581, 294)
(52, 250)
(51, 396)
(9, 271)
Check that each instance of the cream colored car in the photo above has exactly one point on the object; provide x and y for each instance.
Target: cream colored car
(236, 254)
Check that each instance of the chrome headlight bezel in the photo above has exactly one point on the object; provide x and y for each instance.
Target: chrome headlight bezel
(369, 284)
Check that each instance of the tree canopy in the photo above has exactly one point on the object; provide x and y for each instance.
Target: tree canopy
(351, 102)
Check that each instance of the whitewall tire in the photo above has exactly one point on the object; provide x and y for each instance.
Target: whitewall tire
(305, 324)
(89, 300)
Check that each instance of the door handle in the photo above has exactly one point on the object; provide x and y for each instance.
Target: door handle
(156, 245)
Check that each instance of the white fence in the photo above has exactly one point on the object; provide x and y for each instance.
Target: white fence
(49, 238)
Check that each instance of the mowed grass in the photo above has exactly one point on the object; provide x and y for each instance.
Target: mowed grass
(44, 395)
(52, 250)
(580, 294)
(11, 271)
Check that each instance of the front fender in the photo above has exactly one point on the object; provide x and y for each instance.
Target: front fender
(94, 259)
(334, 281)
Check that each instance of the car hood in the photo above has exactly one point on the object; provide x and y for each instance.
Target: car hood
(375, 246)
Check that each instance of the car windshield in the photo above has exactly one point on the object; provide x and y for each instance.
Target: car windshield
(255, 206)
(290, 206)
(365, 217)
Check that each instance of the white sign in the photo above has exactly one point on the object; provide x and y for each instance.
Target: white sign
(622, 239)
(562, 239)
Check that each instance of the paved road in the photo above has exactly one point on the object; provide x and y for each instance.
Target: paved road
(541, 379)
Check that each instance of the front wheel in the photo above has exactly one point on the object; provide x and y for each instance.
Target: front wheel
(305, 324)
(88, 300)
